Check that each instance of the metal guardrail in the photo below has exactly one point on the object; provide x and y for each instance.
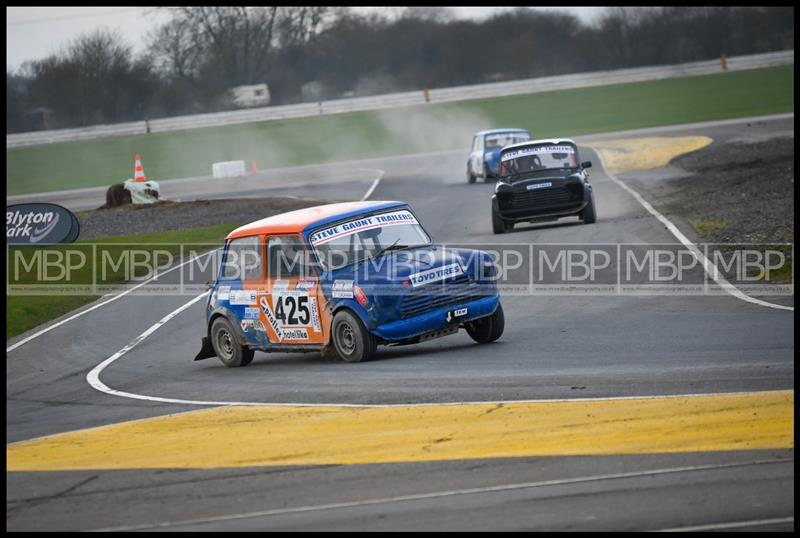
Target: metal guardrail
(403, 99)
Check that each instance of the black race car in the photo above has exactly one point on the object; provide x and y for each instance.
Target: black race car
(541, 180)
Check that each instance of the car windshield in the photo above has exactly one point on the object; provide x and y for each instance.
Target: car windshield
(534, 158)
(502, 140)
(367, 237)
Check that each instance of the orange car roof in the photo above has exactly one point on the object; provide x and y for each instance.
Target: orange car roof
(301, 219)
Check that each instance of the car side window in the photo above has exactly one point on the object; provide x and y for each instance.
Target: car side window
(287, 257)
(243, 260)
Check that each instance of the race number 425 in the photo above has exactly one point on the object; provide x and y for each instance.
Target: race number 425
(293, 310)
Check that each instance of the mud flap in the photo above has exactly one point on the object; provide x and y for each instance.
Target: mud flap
(206, 351)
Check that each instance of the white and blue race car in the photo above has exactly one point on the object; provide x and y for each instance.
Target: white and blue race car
(484, 158)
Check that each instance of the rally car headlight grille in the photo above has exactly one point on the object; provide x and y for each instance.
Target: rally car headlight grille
(429, 297)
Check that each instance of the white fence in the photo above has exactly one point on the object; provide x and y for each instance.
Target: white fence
(392, 100)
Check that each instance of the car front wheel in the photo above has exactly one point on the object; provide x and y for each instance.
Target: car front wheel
(488, 329)
(499, 226)
(353, 342)
(223, 338)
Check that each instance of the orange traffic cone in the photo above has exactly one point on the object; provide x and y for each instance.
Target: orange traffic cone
(138, 169)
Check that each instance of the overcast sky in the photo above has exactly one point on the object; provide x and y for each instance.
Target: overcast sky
(33, 33)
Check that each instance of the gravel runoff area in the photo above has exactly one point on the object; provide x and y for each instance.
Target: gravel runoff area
(733, 193)
(176, 216)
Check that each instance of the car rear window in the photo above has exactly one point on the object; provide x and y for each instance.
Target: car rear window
(505, 139)
(533, 158)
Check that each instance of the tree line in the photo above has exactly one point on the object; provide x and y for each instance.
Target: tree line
(318, 53)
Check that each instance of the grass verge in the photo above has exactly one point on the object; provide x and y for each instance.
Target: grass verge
(400, 131)
(706, 226)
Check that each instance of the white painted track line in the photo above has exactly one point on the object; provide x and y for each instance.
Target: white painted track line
(731, 525)
(93, 377)
(374, 183)
(450, 493)
(49, 328)
(709, 267)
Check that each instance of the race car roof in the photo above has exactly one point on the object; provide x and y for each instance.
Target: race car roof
(498, 131)
(554, 141)
(301, 219)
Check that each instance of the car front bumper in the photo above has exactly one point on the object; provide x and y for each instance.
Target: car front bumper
(436, 319)
(531, 206)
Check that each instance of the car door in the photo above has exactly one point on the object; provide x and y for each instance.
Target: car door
(291, 308)
(240, 282)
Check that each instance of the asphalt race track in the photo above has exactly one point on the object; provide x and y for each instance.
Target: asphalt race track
(553, 347)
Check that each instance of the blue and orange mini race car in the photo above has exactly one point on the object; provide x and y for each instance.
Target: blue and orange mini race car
(342, 279)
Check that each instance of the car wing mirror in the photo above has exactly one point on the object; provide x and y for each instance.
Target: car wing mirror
(586, 164)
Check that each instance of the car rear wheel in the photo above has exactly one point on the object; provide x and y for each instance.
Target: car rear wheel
(588, 215)
(223, 338)
(353, 342)
(499, 226)
(488, 329)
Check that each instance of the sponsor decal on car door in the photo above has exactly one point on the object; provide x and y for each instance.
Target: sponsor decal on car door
(290, 307)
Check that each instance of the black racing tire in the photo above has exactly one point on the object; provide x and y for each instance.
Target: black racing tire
(223, 338)
(588, 215)
(352, 341)
(488, 329)
(499, 226)
(470, 176)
